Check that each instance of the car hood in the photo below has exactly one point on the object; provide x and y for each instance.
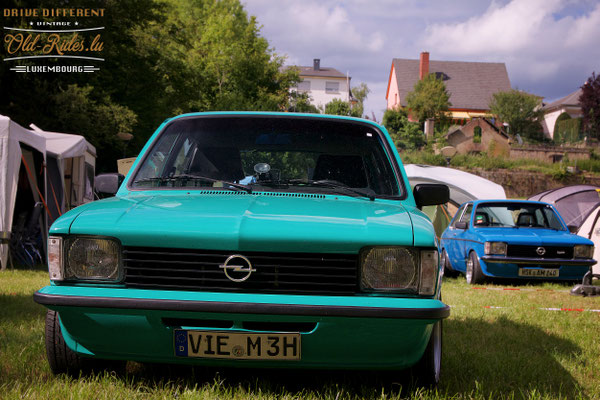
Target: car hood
(530, 236)
(240, 221)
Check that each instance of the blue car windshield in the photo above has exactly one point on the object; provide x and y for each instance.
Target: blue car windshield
(516, 215)
(268, 153)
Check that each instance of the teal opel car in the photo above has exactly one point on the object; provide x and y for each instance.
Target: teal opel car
(255, 240)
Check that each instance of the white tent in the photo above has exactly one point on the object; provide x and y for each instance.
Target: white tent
(463, 187)
(12, 137)
(579, 206)
(71, 168)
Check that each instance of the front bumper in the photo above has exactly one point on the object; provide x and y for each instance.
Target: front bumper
(508, 267)
(346, 331)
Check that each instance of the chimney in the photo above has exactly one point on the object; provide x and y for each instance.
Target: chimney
(317, 64)
(424, 65)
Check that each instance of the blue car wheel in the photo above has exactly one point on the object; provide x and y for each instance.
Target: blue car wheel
(474, 275)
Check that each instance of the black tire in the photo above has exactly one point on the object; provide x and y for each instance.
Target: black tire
(429, 368)
(448, 270)
(60, 357)
(473, 274)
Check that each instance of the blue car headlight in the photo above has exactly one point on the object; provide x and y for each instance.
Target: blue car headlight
(399, 269)
(583, 251)
(495, 248)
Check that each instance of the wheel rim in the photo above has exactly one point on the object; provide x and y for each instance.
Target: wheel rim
(469, 273)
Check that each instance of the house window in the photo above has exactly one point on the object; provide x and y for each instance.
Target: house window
(304, 86)
(332, 87)
(477, 134)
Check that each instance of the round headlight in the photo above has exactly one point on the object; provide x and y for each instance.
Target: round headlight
(389, 268)
(93, 258)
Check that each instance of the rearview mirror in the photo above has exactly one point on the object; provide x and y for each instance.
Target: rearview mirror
(431, 194)
(107, 184)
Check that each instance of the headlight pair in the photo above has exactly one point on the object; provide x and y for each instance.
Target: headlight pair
(86, 258)
(399, 269)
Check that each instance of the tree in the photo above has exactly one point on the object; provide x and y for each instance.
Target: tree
(522, 111)
(360, 93)
(405, 134)
(429, 98)
(300, 102)
(590, 106)
(162, 58)
(341, 107)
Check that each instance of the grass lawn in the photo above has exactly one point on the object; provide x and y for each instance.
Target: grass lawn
(497, 344)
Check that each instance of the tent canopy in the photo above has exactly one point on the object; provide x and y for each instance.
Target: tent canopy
(12, 136)
(574, 203)
(463, 185)
(64, 145)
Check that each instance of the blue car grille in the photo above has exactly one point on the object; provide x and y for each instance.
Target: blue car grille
(183, 269)
(531, 251)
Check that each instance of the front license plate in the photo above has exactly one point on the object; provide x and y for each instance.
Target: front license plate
(237, 345)
(541, 272)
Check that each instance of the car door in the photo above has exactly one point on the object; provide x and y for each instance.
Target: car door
(451, 242)
(460, 239)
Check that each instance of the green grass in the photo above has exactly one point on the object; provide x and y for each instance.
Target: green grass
(516, 351)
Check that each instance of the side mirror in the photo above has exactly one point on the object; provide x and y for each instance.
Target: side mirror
(461, 225)
(107, 184)
(431, 194)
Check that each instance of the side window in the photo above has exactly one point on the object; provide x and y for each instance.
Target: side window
(458, 215)
(466, 217)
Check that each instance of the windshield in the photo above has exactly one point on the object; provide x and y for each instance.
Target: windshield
(269, 154)
(517, 215)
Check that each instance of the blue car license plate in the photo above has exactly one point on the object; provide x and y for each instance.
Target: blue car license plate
(237, 345)
(539, 272)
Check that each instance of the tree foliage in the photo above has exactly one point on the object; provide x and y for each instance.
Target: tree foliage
(405, 134)
(162, 58)
(429, 98)
(360, 93)
(590, 106)
(300, 102)
(339, 107)
(521, 111)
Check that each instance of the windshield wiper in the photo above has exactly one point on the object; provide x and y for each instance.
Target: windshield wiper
(339, 186)
(184, 177)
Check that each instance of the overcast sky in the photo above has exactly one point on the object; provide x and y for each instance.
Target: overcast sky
(550, 47)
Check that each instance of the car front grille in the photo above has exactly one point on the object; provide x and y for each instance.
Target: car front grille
(531, 251)
(298, 273)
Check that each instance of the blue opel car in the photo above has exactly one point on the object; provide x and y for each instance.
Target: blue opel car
(513, 239)
(252, 240)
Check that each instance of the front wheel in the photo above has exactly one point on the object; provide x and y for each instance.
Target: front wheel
(473, 274)
(64, 360)
(60, 357)
(429, 367)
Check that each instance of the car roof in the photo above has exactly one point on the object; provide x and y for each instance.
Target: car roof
(509, 201)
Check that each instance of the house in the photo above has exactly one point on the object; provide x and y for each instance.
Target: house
(568, 104)
(479, 135)
(469, 84)
(323, 84)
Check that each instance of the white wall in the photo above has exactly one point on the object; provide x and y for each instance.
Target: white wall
(319, 97)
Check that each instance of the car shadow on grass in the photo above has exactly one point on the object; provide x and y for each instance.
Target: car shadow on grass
(482, 359)
(496, 358)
